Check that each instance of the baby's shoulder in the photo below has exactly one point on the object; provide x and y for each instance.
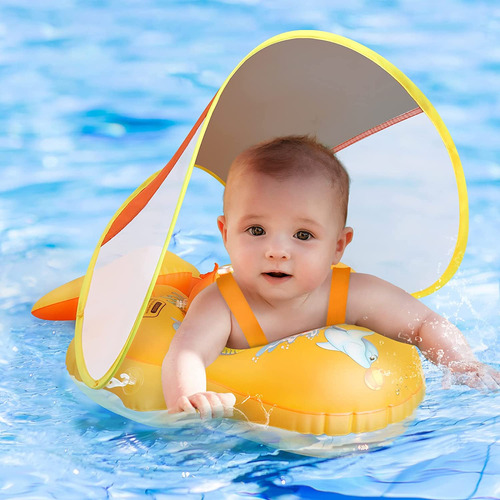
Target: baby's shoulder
(207, 318)
(362, 282)
(373, 296)
(366, 286)
(209, 302)
(358, 281)
(208, 315)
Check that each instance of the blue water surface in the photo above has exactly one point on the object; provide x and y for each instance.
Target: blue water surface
(98, 94)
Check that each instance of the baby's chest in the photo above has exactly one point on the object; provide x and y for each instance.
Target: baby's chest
(277, 326)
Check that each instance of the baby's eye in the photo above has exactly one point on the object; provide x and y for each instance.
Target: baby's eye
(303, 235)
(256, 231)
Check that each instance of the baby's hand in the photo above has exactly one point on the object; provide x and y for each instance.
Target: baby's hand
(472, 373)
(208, 404)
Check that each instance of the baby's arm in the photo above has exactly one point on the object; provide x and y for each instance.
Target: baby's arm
(390, 311)
(198, 342)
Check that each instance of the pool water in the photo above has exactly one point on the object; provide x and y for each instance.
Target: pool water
(97, 95)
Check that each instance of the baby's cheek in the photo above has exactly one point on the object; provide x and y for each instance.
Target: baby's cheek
(238, 252)
(312, 278)
(244, 259)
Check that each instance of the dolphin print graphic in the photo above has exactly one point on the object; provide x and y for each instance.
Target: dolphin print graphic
(352, 343)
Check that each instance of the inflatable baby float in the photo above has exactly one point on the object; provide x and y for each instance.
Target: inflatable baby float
(334, 380)
(406, 175)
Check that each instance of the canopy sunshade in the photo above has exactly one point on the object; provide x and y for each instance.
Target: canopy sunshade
(408, 202)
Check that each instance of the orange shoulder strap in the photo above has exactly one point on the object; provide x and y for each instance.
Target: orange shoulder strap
(338, 296)
(238, 304)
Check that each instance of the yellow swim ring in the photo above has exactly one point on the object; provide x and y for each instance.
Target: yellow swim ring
(330, 381)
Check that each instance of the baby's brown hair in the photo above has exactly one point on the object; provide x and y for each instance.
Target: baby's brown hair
(296, 155)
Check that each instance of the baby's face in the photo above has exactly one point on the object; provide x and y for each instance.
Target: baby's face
(282, 236)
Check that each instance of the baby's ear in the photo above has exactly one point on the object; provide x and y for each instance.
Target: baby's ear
(349, 235)
(221, 224)
(344, 239)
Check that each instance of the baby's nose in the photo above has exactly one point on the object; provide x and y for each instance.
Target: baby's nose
(277, 253)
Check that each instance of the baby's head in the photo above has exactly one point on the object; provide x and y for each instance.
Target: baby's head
(285, 208)
(289, 157)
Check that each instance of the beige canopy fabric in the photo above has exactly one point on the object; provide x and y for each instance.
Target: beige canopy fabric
(408, 202)
(300, 86)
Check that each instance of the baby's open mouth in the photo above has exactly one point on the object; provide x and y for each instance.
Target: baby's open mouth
(277, 275)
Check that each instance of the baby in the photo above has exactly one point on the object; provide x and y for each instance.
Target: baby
(285, 209)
